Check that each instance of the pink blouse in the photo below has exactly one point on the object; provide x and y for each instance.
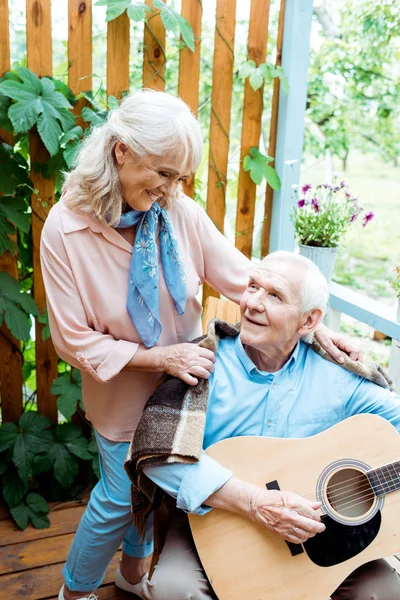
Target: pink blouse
(85, 268)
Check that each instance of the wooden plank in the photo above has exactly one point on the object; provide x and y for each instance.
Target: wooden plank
(154, 58)
(42, 582)
(36, 553)
(61, 522)
(273, 131)
(38, 44)
(80, 50)
(221, 309)
(10, 348)
(220, 120)
(118, 44)
(251, 126)
(189, 69)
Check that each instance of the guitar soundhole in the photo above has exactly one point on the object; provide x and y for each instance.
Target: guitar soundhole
(349, 493)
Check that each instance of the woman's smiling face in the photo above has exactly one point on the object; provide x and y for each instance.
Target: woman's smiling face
(149, 180)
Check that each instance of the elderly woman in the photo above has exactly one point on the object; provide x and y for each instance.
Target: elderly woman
(123, 255)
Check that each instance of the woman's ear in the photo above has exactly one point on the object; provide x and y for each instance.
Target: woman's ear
(310, 321)
(121, 151)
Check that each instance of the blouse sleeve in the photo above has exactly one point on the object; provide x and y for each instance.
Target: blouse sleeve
(226, 269)
(99, 354)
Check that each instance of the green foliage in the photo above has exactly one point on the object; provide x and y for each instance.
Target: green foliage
(33, 456)
(257, 164)
(69, 393)
(395, 282)
(263, 74)
(38, 103)
(16, 307)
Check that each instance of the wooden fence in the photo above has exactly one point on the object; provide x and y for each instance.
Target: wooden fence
(39, 60)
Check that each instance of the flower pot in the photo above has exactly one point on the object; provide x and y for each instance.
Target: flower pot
(324, 258)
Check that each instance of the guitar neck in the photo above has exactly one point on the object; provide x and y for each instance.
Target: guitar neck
(386, 479)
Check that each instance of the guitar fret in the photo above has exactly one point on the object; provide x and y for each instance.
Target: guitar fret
(385, 479)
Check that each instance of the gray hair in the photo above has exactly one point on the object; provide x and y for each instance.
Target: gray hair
(150, 123)
(314, 292)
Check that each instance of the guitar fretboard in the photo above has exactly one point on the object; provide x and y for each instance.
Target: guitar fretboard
(385, 479)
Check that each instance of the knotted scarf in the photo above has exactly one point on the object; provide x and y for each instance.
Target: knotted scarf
(143, 297)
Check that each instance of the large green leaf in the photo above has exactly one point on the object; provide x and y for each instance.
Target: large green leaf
(37, 503)
(37, 102)
(257, 164)
(39, 520)
(32, 422)
(174, 22)
(13, 488)
(22, 458)
(69, 394)
(16, 307)
(6, 229)
(20, 514)
(14, 209)
(136, 10)
(8, 435)
(13, 170)
(65, 465)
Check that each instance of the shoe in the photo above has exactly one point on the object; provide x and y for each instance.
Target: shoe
(90, 597)
(139, 589)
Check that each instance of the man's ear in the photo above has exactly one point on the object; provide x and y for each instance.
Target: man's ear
(120, 151)
(309, 321)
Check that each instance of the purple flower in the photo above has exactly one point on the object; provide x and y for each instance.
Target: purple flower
(301, 203)
(305, 188)
(336, 189)
(368, 217)
(327, 186)
(354, 217)
(342, 184)
(314, 203)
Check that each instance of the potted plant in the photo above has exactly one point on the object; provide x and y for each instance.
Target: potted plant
(321, 218)
(395, 284)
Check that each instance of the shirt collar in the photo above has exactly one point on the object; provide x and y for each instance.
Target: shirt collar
(76, 221)
(251, 368)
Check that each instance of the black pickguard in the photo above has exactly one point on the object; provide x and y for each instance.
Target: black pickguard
(341, 542)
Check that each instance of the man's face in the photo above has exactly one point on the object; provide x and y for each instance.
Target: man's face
(271, 305)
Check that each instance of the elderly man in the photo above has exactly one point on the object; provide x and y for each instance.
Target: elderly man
(267, 382)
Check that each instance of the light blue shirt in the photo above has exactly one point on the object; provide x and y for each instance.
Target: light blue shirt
(308, 395)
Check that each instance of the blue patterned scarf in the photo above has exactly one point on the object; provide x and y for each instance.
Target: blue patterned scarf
(143, 301)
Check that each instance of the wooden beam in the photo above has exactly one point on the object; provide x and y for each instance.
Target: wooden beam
(251, 127)
(80, 50)
(220, 120)
(118, 45)
(10, 348)
(154, 58)
(38, 42)
(273, 130)
(292, 106)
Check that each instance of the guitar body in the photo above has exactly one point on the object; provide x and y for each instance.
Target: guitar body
(245, 561)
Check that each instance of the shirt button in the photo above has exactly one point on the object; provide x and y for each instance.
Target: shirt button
(269, 423)
(273, 386)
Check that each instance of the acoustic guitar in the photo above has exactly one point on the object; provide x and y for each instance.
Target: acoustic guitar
(352, 468)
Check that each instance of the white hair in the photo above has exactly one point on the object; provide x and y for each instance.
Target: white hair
(150, 123)
(314, 291)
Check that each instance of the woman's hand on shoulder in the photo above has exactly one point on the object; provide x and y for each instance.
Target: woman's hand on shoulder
(337, 344)
(188, 362)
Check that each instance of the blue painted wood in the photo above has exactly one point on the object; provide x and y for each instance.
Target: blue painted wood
(373, 313)
(289, 144)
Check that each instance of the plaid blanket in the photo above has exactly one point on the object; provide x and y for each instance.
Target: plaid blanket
(171, 429)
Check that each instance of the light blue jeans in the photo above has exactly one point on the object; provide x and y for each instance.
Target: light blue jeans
(105, 523)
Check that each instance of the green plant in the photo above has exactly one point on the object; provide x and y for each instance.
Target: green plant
(264, 73)
(395, 282)
(259, 167)
(39, 462)
(324, 214)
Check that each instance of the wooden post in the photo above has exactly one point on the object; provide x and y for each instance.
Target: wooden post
(189, 68)
(220, 121)
(251, 128)
(273, 130)
(38, 41)
(10, 348)
(154, 51)
(80, 50)
(118, 44)
(289, 144)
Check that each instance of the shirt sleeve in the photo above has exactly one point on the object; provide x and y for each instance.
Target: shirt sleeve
(226, 269)
(191, 485)
(99, 354)
(369, 397)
